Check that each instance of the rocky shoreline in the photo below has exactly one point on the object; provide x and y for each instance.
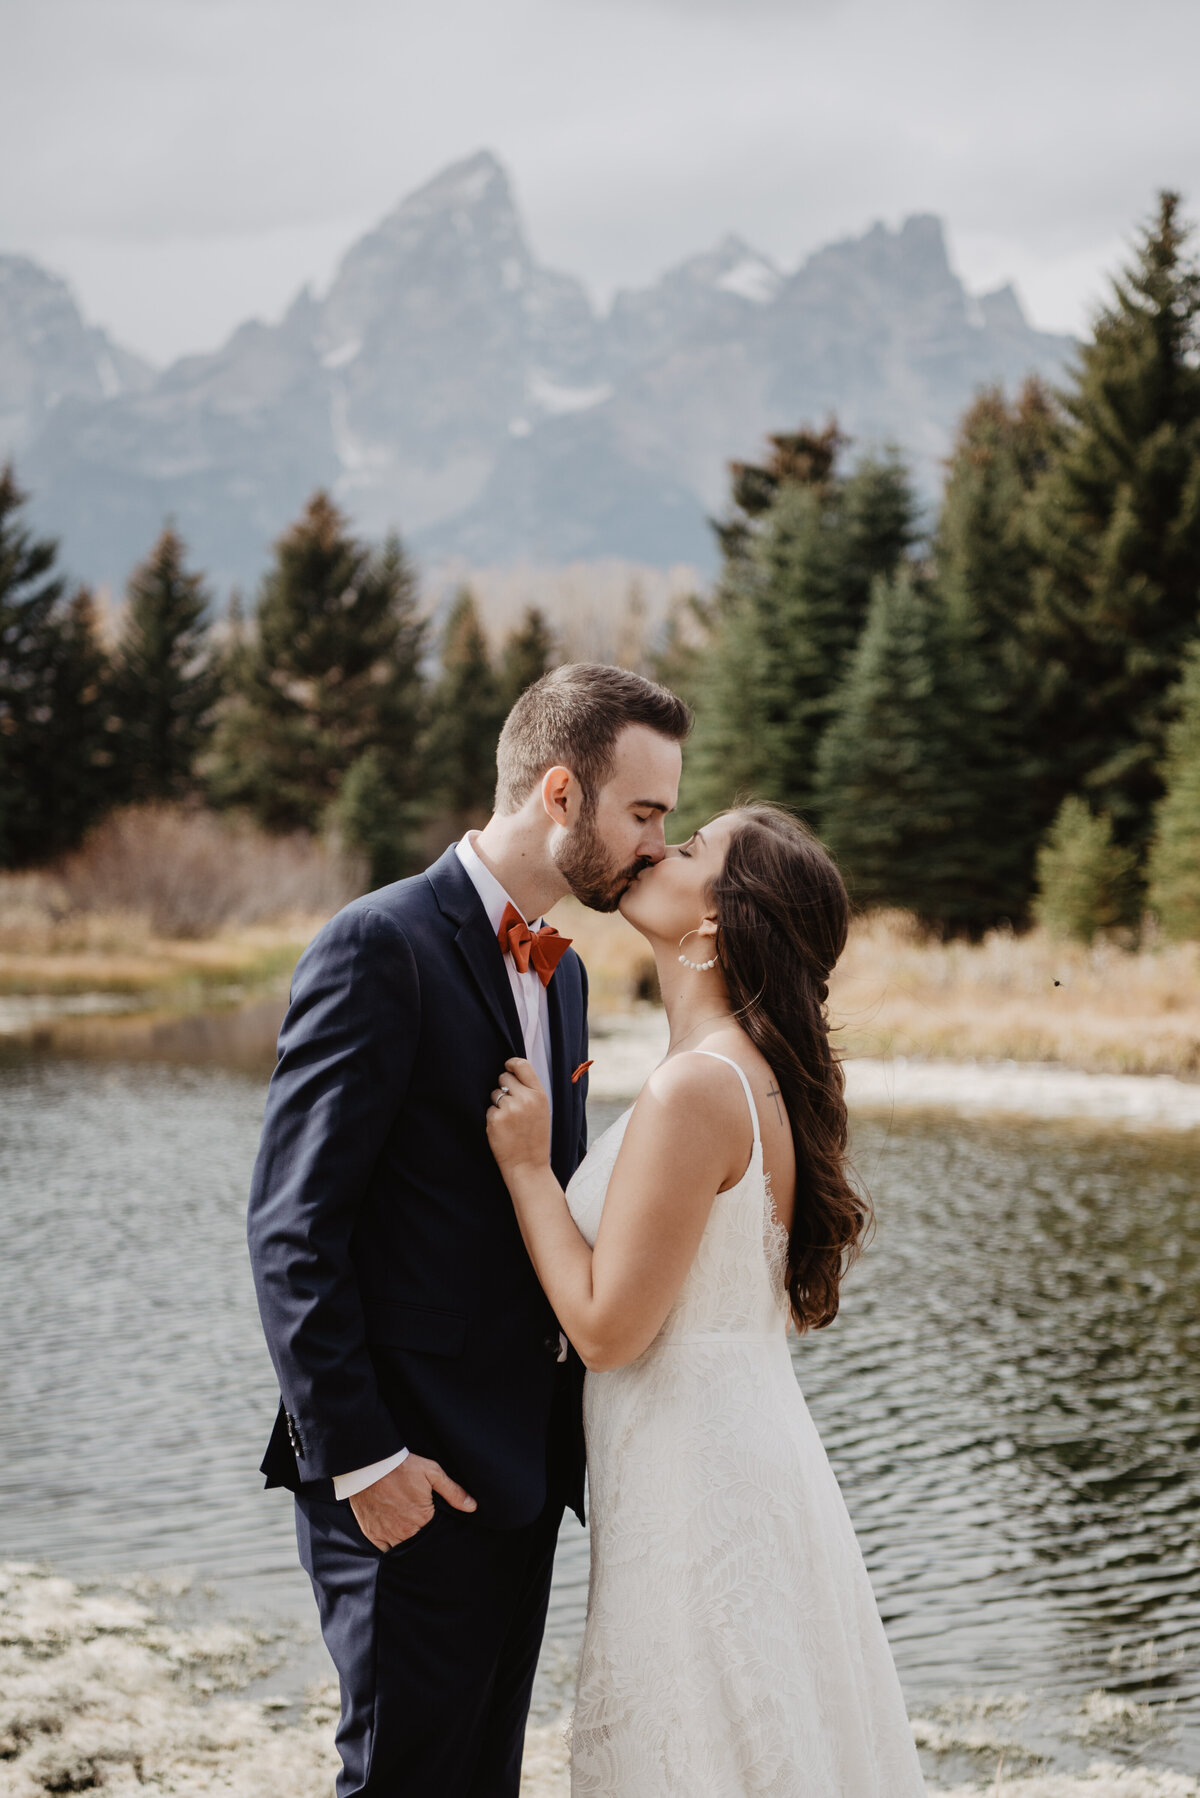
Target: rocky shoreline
(99, 1693)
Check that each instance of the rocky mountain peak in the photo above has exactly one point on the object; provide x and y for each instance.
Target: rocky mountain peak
(456, 242)
(466, 213)
(477, 186)
(908, 264)
(713, 291)
(450, 386)
(48, 353)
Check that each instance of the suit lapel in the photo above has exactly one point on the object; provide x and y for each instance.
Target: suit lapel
(561, 1037)
(476, 943)
(484, 957)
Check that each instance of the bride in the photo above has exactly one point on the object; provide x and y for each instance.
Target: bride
(733, 1645)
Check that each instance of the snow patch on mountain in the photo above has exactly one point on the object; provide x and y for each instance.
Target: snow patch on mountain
(751, 279)
(557, 400)
(343, 354)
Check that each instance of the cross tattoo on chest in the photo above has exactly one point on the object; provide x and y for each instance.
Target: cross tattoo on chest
(774, 1093)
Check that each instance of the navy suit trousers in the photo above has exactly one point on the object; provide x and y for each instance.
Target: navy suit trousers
(436, 1645)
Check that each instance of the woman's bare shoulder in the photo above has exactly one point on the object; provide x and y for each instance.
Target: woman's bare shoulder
(693, 1091)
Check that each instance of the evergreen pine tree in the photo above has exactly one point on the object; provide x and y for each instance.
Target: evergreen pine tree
(1174, 865)
(985, 567)
(1086, 880)
(166, 680)
(909, 792)
(56, 771)
(804, 458)
(985, 561)
(677, 660)
(1116, 528)
(466, 713)
(372, 822)
(877, 527)
(788, 612)
(528, 653)
(331, 670)
(729, 757)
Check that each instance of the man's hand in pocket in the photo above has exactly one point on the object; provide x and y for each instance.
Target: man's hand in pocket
(401, 1503)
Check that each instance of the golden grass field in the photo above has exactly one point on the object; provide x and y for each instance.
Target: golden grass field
(183, 909)
(1024, 998)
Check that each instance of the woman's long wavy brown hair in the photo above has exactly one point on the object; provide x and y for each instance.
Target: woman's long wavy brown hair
(783, 916)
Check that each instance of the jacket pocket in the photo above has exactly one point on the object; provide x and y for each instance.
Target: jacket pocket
(416, 1327)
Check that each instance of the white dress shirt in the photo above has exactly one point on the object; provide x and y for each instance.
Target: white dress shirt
(534, 1013)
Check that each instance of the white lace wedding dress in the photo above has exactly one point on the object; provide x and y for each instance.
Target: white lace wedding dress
(733, 1645)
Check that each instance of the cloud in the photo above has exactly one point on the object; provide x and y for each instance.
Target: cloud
(153, 133)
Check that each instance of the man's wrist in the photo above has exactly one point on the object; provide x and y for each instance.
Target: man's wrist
(349, 1485)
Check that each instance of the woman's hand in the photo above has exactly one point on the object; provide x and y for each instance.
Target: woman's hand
(518, 1119)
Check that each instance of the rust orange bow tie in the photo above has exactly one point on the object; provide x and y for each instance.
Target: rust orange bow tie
(543, 949)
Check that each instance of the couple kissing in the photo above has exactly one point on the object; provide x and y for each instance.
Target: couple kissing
(458, 1294)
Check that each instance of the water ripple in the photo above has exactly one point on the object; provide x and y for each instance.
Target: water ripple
(1010, 1397)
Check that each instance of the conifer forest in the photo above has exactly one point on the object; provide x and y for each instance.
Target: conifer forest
(992, 715)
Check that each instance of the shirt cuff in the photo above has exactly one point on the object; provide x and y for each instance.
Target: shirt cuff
(346, 1485)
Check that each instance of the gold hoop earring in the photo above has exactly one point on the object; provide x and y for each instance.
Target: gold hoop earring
(698, 967)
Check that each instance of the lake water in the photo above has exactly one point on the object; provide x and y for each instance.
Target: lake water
(1011, 1396)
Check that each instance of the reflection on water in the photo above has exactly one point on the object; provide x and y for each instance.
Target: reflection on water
(1010, 1396)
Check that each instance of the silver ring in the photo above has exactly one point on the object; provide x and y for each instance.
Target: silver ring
(506, 1090)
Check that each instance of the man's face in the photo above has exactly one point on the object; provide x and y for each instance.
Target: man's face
(608, 847)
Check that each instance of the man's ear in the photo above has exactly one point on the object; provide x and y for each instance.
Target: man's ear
(558, 795)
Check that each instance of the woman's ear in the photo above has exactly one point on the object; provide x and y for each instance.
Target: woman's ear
(708, 926)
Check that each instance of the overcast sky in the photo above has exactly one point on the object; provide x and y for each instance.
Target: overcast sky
(190, 163)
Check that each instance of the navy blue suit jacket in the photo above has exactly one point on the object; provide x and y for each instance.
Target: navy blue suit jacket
(399, 1304)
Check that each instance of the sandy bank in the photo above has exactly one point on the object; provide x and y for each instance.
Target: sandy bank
(96, 1693)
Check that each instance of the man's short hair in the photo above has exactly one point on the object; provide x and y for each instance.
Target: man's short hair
(572, 717)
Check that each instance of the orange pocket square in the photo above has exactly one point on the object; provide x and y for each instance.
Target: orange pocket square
(581, 1069)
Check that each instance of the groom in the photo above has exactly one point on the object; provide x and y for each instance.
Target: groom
(430, 1422)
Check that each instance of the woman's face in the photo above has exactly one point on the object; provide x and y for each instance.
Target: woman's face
(671, 898)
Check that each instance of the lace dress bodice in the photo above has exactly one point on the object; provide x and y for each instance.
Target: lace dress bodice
(735, 1286)
(733, 1647)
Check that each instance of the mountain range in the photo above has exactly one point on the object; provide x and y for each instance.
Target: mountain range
(449, 386)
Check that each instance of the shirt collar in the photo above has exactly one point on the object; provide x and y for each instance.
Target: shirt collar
(485, 883)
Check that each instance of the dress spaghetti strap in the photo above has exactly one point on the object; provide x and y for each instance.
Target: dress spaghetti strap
(713, 1056)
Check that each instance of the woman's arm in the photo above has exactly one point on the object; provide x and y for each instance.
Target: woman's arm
(688, 1137)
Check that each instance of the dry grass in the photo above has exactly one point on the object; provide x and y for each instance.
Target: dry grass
(123, 958)
(160, 896)
(895, 992)
(191, 872)
(161, 899)
(1030, 998)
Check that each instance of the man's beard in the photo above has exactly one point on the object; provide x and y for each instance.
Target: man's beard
(588, 870)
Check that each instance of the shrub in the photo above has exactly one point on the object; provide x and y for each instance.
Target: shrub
(1086, 881)
(188, 871)
(373, 821)
(1174, 870)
